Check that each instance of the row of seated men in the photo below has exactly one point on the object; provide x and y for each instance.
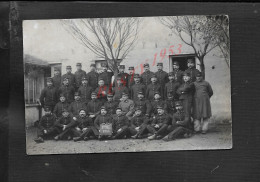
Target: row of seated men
(114, 126)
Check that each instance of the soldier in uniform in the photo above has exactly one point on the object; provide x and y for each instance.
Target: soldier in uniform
(60, 106)
(93, 107)
(122, 75)
(158, 127)
(103, 118)
(170, 103)
(70, 76)
(186, 91)
(126, 105)
(85, 91)
(79, 74)
(102, 90)
(143, 104)
(119, 89)
(46, 127)
(110, 104)
(162, 78)
(172, 86)
(202, 107)
(138, 124)
(56, 78)
(67, 90)
(49, 95)
(76, 105)
(66, 126)
(85, 127)
(92, 77)
(138, 86)
(180, 126)
(121, 125)
(192, 70)
(152, 88)
(157, 101)
(131, 76)
(177, 72)
(105, 75)
(146, 75)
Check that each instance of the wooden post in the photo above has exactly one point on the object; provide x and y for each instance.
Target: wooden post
(28, 90)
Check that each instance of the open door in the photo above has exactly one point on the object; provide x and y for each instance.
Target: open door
(182, 59)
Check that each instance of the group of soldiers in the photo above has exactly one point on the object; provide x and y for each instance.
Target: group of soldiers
(156, 105)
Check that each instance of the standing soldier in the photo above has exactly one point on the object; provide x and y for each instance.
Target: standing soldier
(172, 86)
(76, 105)
(138, 86)
(93, 107)
(102, 91)
(49, 95)
(105, 75)
(156, 102)
(92, 77)
(158, 127)
(186, 91)
(202, 107)
(162, 78)
(143, 104)
(122, 75)
(177, 72)
(110, 104)
(56, 78)
(119, 89)
(192, 69)
(70, 76)
(67, 90)
(131, 77)
(152, 88)
(46, 127)
(85, 91)
(170, 103)
(60, 106)
(181, 125)
(126, 105)
(79, 74)
(146, 75)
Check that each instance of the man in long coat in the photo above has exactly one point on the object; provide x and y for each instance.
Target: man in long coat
(146, 75)
(85, 91)
(79, 74)
(192, 69)
(131, 81)
(177, 72)
(70, 76)
(202, 107)
(92, 77)
(137, 87)
(105, 75)
(56, 78)
(162, 78)
(152, 88)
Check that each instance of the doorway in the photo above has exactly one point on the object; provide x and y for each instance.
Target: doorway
(182, 60)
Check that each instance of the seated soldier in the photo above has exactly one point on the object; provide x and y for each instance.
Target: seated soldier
(120, 125)
(93, 107)
(144, 104)
(85, 126)
(170, 103)
(60, 106)
(46, 127)
(126, 105)
(104, 120)
(85, 91)
(76, 105)
(138, 124)
(66, 125)
(159, 125)
(181, 126)
(157, 101)
(110, 104)
(119, 89)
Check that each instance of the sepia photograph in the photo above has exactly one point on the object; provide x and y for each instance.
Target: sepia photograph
(127, 84)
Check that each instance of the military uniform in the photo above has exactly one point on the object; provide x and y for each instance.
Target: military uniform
(85, 92)
(135, 89)
(76, 106)
(56, 81)
(127, 107)
(118, 91)
(172, 87)
(151, 89)
(146, 76)
(92, 77)
(177, 73)
(106, 76)
(59, 108)
(102, 119)
(144, 105)
(162, 79)
(111, 107)
(70, 76)
(79, 74)
(155, 104)
(138, 125)
(68, 91)
(131, 81)
(170, 107)
(122, 76)
(93, 107)
(122, 123)
(102, 92)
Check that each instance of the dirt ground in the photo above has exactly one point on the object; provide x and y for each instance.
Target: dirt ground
(218, 137)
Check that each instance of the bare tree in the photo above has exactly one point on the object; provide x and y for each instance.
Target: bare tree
(109, 38)
(202, 33)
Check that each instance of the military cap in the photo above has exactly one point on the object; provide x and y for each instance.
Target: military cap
(100, 79)
(103, 107)
(156, 92)
(176, 63)
(131, 68)
(47, 108)
(65, 110)
(68, 67)
(153, 76)
(78, 64)
(137, 76)
(186, 74)
(178, 103)
(84, 78)
(138, 108)
(121, 66)
(146, 65)
(140, 92)
(190, 61)
(199, 74)
(171, 74)
(62, 95)
(82, 109)
(93, 65)
(56, 69)
(110, 95)
(65, 78)
(94, 93)
(125, 93)
(104, 65)
(159, 107)
(49, 79)
(76, 94)
(159, 64)
(119, 108)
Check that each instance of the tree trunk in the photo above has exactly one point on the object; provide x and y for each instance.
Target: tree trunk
(202, 66)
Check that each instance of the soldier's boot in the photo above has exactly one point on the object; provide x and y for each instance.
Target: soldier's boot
(57, 138)
(134, 136)
(75, 139)
(86, 138)
(39, 140)
(166, 138)
(153, 137)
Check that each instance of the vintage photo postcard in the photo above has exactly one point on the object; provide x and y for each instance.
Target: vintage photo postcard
(132, 84)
